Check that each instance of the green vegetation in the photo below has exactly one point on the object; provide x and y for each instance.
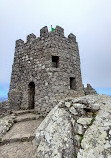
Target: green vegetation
(92, 122)
(94, 115)
(75, 154)
(0, 139)
(93, 119)
(82, 137)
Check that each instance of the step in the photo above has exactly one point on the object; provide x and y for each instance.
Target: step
(20, 112)
(18, 138)
(26, 117)
(18, 150)
(21, 131)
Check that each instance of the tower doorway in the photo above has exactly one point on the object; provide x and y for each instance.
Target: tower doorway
(31, 95)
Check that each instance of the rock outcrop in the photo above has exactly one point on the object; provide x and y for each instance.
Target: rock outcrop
(76, 128)
(97, 139)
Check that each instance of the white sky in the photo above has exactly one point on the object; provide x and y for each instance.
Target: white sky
(89, 20)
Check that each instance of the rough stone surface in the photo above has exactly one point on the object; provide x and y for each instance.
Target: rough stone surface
(26, 117)
(97, 139)
(21, 129)
(6, 123)
(17, 150)
(84, 135)
(17, 141)
(53, 140)
(49, 62)
(4, 108)
(89, 90)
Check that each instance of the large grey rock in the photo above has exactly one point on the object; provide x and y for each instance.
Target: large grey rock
(54, 137)
(75, 127)
(97, 139)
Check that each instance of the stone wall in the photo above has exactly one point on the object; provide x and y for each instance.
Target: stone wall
(52, 63)
(5, 124)
(4, 108)
(89, 90)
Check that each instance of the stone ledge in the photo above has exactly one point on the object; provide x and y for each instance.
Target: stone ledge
(18, 138)
(20, 112)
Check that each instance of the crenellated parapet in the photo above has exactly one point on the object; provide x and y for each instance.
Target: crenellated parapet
(19, 43)
(72, 37)
(31, 37)
(59, 30)
(44, 31)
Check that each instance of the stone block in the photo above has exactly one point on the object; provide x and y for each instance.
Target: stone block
(31, 37)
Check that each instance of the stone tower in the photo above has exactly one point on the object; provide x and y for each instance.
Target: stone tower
(45, 70)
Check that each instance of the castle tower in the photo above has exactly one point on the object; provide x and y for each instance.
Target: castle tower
(45, 70)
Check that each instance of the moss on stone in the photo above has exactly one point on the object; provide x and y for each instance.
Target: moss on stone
(82, 137)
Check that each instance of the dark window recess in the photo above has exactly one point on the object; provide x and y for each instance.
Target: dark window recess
(72, 83)
(55, 61)
(31, 95)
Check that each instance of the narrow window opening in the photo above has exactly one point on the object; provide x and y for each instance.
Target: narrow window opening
(55, 61)
(72, 83)
(31, 95)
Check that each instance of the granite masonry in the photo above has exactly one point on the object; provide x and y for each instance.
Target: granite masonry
(45, 70)
(89, 90)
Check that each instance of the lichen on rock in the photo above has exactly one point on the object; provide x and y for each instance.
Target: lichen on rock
(58, 135)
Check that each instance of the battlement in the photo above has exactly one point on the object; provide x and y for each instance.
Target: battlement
(44, 31)
(59, 31)
(31, 37)
(19, 43)
(72, 37)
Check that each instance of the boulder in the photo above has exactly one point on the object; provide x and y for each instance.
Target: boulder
(97, 138)
(76, 128)
(54, 137)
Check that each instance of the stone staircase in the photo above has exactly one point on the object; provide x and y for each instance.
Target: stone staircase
(17, 142)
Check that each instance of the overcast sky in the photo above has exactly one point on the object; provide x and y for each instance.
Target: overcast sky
(89, 20)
